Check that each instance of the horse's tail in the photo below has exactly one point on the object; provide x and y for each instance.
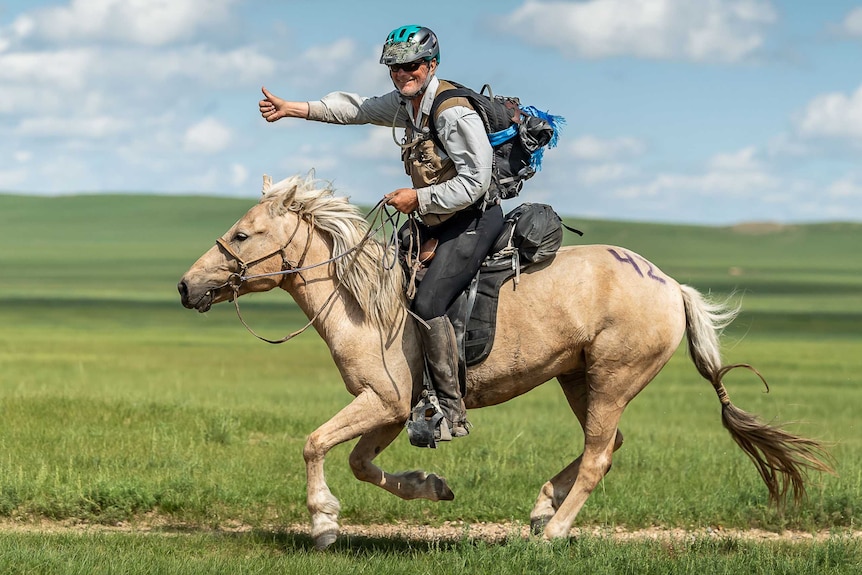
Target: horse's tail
(782, 458)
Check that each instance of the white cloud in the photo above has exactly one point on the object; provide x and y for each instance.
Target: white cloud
(238, 175)
(62, 79)
(337, 65)
(215, 179)
(708, 184)
(847, 187)
(145, 22)
(852, 23)
(202, 63)
(743, 160)
(207, 136)
(87, 127)
(23, 26)
(330, 57)
(9, 179)
(209, 180)
(735, 174)
(66, 69)
(600, 158)
(591, 148)
(834, 115)
(321, 159)
(368, 75)
(787, 145)
(700, 31)
(603, 173)
(379, 145)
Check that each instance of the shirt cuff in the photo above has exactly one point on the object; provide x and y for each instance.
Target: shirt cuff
(424, 197)
(316, 111)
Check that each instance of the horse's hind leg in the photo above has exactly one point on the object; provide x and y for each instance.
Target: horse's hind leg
(609, 387)
(407, 485)
(600, 429)
(555, 491)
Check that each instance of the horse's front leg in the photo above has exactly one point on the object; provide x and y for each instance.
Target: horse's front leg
(407, 485)
(365, 413)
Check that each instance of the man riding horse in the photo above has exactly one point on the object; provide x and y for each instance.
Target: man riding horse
(450, 190)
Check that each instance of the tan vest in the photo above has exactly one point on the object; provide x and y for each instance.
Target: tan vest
(422, 162)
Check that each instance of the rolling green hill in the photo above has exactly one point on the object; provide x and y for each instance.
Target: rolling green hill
(135, 248)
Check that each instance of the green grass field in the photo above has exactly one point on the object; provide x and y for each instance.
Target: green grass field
(119, 405)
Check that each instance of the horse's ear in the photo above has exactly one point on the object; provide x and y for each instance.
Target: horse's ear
(290, 204)
(267, 184)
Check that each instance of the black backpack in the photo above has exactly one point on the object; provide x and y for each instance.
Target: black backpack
(518, 135)
(532, 233)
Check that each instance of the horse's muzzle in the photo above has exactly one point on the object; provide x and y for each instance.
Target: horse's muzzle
(202, 303)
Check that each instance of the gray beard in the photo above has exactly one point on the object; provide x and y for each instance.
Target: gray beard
(419, 92)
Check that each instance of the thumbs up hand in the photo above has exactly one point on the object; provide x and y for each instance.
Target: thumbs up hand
(272, 107)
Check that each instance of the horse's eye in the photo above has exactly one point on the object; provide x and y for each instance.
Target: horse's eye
(241, 236)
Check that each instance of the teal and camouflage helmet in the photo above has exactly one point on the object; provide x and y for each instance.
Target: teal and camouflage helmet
(408, 44)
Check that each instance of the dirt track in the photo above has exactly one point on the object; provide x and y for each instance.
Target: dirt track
(448, 532)
(498, 532)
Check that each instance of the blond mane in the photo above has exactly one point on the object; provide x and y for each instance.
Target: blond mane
(376, 290)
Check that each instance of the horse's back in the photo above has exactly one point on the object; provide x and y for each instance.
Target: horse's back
(593, 285)
(591, 299)
(620, 279)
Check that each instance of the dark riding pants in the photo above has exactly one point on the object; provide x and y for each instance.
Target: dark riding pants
(464, 241)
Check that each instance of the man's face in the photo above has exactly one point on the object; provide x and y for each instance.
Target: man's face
(410, 78)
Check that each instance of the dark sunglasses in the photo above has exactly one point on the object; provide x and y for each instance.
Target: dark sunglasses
(407, 67)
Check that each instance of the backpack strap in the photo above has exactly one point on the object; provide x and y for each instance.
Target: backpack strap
(449, 95)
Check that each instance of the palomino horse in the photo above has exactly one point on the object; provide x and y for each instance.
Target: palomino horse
(600, 319)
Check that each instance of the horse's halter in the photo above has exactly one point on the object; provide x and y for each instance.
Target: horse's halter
(236, 279)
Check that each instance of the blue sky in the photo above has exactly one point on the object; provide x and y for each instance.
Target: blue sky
(706, 111)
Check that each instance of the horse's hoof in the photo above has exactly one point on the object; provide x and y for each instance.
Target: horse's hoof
(555, 531)
(322, 541)
(537, 524)
(441, 488)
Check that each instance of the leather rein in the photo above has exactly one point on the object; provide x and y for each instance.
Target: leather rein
(236, 279)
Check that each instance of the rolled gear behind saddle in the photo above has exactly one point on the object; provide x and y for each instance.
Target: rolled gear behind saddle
(532, 233)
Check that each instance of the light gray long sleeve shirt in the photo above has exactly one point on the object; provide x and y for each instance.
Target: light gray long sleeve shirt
(460, 129)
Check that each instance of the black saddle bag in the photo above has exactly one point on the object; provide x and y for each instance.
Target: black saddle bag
(531, 234)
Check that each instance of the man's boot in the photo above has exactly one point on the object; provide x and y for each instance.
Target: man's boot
(441, 357)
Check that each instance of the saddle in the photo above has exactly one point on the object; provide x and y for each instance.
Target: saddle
(532, 234)
(474, 316)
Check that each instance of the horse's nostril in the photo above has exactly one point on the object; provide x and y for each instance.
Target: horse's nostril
(183, 289)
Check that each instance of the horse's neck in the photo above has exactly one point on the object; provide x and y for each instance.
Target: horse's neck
(337, 315)
(322, 298)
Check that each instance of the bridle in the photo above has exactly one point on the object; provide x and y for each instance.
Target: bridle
(236, 279)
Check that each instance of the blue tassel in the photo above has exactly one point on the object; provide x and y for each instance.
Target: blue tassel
(556, 122)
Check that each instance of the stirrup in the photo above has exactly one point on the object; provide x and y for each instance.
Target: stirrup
(427, 424)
